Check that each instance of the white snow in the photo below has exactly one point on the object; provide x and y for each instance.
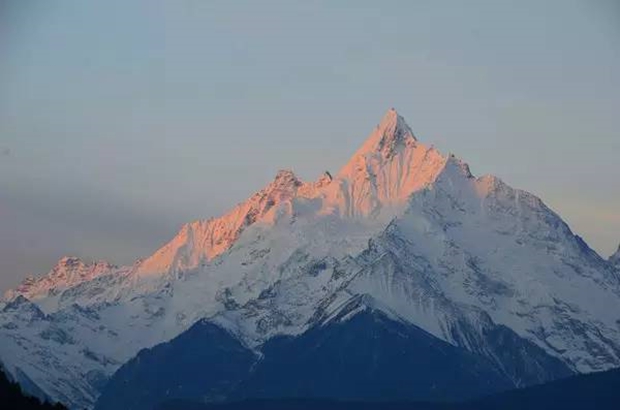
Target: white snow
(400, 222)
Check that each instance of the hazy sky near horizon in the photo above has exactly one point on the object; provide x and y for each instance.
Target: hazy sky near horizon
(121, 120)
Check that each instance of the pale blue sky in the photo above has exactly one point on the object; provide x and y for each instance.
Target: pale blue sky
(120, 120)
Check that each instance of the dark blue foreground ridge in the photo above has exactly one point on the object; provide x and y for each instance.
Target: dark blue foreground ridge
(362, 354)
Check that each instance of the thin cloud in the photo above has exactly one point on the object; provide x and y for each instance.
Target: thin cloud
(5, 152)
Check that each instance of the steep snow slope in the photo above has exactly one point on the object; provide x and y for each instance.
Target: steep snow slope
(466, 251)
(457, 256)
(488, 247)
(203, 240)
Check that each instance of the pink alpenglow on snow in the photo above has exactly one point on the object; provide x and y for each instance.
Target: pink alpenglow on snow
(401, 224)
(379, 178)
(69, 271)
(375, 183)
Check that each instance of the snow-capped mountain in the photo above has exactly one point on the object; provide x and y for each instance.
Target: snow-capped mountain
(406, 227)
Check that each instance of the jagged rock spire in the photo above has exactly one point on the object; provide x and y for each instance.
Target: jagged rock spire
(391, 133)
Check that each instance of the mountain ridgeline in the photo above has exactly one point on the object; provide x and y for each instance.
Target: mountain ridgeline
(400, 277)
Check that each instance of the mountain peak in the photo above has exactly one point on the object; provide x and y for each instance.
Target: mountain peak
(286, 177)
(203, 240)
(389, 166)
(390, 134)
(68, 271)
(68, 262)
